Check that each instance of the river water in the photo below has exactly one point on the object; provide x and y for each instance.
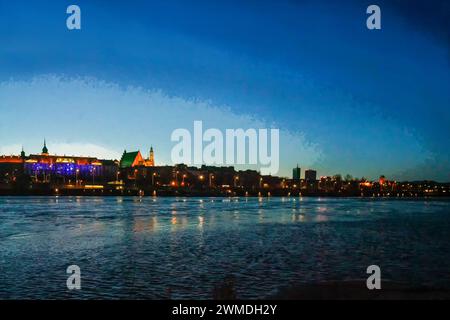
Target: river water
(155, 248)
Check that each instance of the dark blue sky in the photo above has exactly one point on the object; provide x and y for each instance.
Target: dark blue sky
(362, 102)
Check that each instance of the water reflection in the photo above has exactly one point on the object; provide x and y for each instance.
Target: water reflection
(201, 221)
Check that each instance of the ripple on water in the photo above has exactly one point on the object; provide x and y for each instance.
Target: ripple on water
(128, 247)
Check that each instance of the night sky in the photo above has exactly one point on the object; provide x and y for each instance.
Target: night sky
(347, 99)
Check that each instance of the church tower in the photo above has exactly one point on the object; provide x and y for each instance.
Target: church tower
(151, 159)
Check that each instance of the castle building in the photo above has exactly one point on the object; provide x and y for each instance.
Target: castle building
(44, 149)
(44, 167)
(47, 165)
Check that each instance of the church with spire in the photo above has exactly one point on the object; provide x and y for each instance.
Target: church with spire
(135, 159)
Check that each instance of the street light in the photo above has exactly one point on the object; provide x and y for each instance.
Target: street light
(211, 177)
(176, 177)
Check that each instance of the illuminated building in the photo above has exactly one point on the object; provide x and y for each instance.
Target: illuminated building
(45, 167)
(131, 159)
(135, 159)
(151, 160)
(327, 183)
(11, 159)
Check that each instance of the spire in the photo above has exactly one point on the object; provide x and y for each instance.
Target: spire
(44, 149)
(151, 158)
(22, 153)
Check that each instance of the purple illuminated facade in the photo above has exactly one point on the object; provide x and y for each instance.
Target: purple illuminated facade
(48, 168)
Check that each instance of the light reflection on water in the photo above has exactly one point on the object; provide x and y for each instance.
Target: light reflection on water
(129, 247)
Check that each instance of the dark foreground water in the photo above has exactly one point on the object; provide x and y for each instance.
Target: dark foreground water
(132, 248)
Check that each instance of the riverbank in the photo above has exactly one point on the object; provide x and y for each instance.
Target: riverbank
(182, 192)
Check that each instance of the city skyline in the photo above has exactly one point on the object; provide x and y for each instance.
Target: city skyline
(297, 172)
(45, 151)
(312, 70)
(135, 174)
